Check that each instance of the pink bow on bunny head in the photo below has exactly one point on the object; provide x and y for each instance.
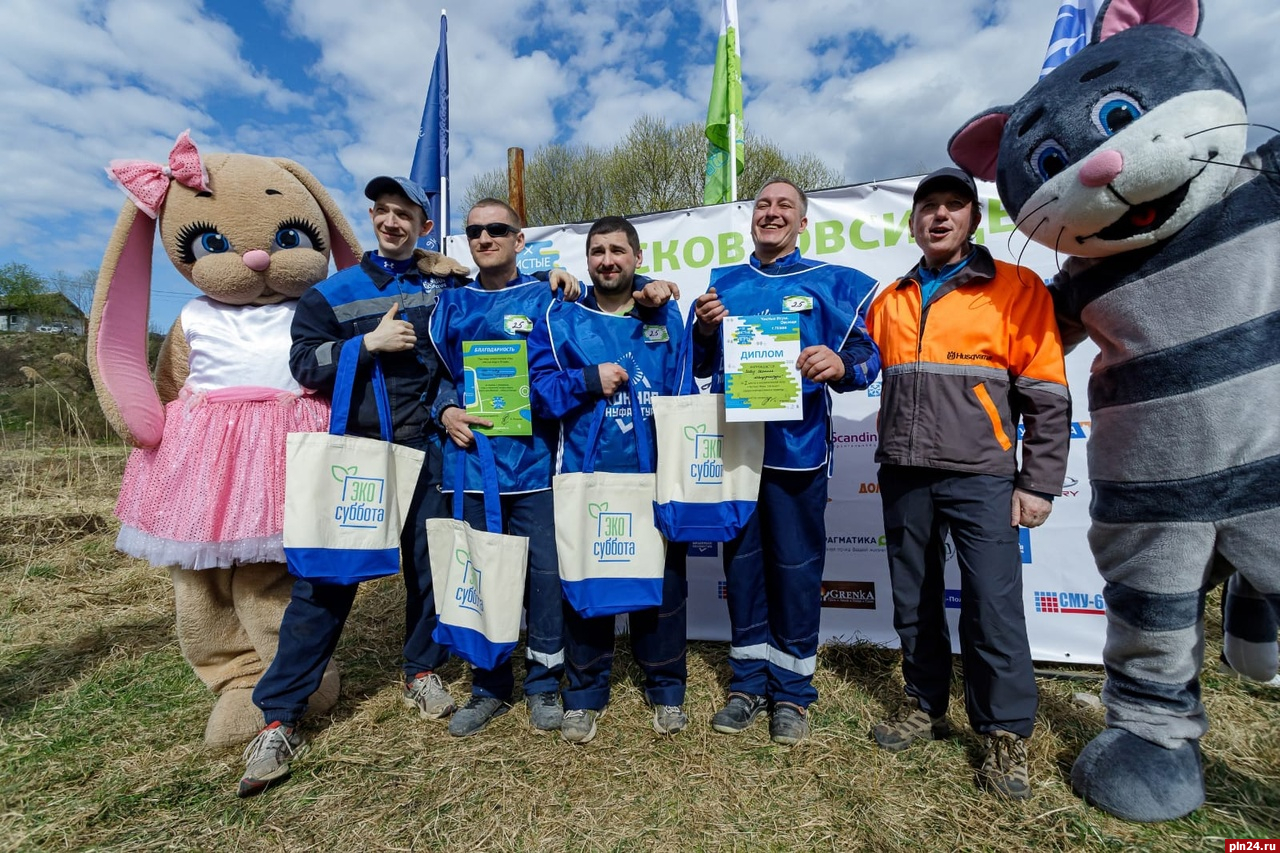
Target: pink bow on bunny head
(146, 184)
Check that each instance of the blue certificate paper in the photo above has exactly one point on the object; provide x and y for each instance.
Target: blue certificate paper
(496, 385)
(761, 381)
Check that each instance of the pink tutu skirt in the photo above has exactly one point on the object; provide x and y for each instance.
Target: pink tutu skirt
(212, 494)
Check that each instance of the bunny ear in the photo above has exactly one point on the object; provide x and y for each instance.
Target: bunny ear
(345, 247)
(118, 332)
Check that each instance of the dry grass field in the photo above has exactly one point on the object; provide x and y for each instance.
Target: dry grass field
(101, 724)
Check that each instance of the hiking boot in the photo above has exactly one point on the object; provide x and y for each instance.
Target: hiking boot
(428, 695)
(267, 758)
(789, 724)
(907, 725)
(669, 719)
(738, 713)
(1004, 765)
(579, 725)
(475, 715)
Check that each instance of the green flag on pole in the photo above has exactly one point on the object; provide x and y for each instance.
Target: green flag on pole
(724, 114)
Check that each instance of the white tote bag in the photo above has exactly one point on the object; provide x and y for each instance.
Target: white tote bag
(346, 497)
(611, 553)
(478, 575)
(708, 469)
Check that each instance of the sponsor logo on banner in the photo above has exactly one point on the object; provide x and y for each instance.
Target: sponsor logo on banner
(468, 592)
(517, 324)
(707, 469)
(360, 504)
(1087, 603)
(1079, 429)
(953, 599)
(1024, 545)
(539, 256)
(722, 590)
(1069, 489)
(855, 439)
(614, 543)
(794, 304)
(854, 595)
(856, 544)
(704, 549)
(873, 390)
(868, 488)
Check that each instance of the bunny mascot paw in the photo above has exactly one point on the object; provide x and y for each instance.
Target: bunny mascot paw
(203, 490)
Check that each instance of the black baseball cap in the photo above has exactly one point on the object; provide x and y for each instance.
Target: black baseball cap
(948, 177)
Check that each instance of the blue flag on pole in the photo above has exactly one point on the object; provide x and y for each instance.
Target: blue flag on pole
(431, 159)
(1070, 32)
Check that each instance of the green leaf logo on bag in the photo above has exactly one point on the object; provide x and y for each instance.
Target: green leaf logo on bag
(707, 469)
(362, 502)
(613, 534)
(468, 592)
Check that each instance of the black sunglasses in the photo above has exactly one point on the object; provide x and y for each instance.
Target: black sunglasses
(495, 229)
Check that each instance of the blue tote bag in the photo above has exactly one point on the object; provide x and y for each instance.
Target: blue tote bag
(346, 497)
(478, 575)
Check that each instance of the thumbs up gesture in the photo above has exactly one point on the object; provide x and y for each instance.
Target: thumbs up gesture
(392, 335)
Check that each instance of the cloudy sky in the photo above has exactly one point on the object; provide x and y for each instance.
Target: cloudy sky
(873, 88)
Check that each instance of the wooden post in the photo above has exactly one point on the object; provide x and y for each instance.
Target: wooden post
(515, 180)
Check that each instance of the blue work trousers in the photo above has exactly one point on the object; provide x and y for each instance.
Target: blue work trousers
(773, 574)
(658, 642)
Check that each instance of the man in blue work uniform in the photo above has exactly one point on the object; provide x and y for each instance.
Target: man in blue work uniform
(773, 568)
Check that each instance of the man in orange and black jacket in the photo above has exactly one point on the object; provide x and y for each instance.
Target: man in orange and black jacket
(969, 348)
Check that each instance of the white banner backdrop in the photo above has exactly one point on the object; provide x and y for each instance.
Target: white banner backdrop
(865, 226)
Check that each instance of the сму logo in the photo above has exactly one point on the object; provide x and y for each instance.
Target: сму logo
(360, 504)
(1071, 602)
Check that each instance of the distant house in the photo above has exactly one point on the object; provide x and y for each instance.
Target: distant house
(44, 312)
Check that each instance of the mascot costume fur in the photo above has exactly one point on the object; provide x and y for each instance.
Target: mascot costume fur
(203, 490)
(1130, 157)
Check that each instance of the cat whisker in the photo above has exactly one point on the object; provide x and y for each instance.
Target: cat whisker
(1235, 166)
(1017, 225)
(1233, 124)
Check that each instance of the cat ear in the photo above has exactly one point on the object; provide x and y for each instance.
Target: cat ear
(1116, 16)
(975, 146)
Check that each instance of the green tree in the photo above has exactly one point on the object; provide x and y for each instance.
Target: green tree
(656, 166)
(20, 287)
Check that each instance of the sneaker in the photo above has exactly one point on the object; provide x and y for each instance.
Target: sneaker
(738, 713)
(545, 712)
(475, 715)
(1004, 765)
(427, 694)
(669, 719)
(789, 724)
(267, 758)
(579, 725)
(907, 725)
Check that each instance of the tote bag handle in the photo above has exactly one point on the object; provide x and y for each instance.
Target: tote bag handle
(644, 444)
(344, 384)
(489, 471)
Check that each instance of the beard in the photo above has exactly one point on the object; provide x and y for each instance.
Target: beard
(618, 286)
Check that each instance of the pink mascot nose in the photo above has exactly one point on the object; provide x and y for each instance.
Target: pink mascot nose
(257, 260)
(1100, 169)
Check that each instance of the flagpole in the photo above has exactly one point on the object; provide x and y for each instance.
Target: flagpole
(733, 157)
(444, 172)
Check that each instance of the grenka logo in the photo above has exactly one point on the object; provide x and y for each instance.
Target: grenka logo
(517, 324)
(468, 592)
(707, 468)
(360, 504)
(794, 304)
(613, 534)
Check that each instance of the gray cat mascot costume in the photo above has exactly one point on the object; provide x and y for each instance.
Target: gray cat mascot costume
(1129, 160)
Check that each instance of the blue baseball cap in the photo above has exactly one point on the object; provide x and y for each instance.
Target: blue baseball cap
(387, 185)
